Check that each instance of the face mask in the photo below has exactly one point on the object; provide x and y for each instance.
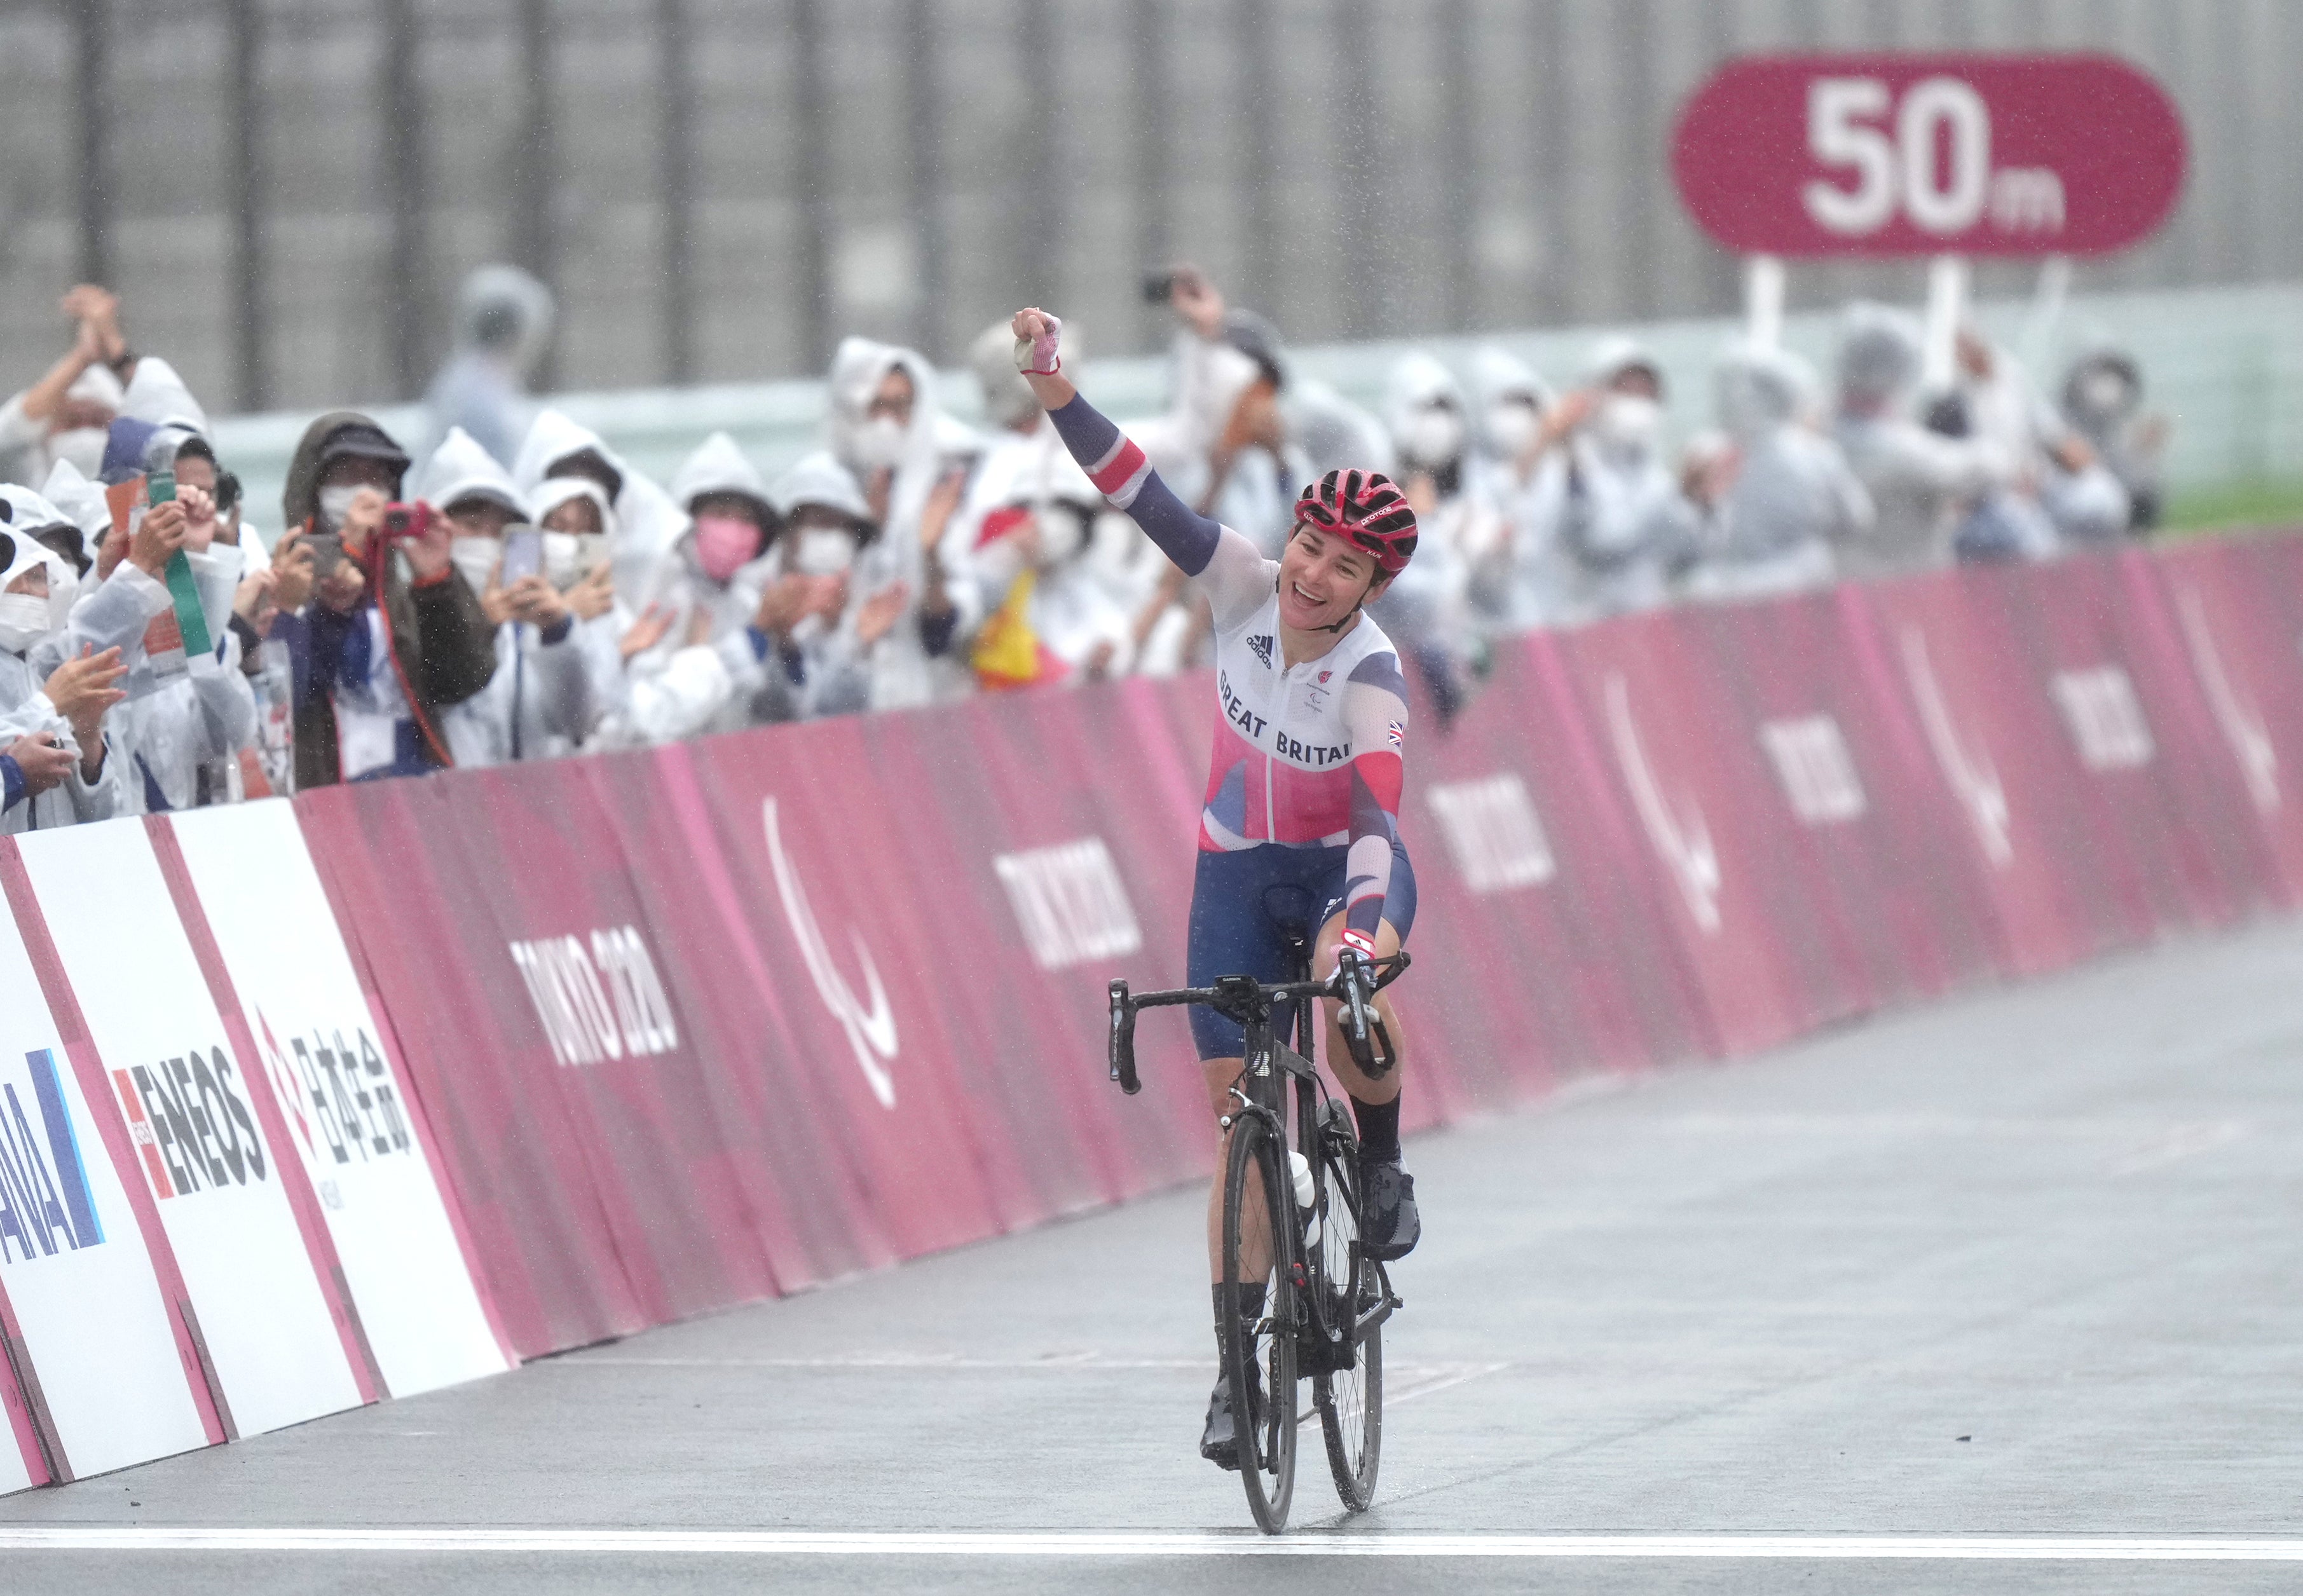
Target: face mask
(477, 558)
(823, 551)
(23, 621)
(1434, 437)
(561, 549)
(335, 504)
(1627, 421)
(725, 544)
(1512, 424)
(879, 442)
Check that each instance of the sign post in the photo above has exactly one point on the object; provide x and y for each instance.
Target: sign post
(1909, 155)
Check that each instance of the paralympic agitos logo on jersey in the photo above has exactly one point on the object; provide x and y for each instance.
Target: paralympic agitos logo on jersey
(191, 1123)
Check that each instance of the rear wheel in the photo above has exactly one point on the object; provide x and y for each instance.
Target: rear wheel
(1257, 1199)
(1350, 1399)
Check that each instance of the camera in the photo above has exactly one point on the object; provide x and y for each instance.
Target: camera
(1158, 287)
(407, 520)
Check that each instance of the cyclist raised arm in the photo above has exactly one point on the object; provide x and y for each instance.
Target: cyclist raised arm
(1300, 830)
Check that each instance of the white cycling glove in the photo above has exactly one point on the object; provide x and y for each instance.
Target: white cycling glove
(1037, 357)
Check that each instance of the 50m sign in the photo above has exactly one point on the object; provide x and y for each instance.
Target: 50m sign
(1912, 154)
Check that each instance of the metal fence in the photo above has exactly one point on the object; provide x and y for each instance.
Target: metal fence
(287, 191)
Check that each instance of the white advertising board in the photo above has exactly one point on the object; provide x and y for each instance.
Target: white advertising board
(15, 1475)
(87, 1304)
(348, 1107)
(269, 1333)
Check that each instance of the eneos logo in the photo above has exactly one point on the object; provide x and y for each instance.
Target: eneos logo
(189, 1122)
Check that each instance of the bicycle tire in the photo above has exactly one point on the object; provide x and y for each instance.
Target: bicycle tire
(1350, 1401)
(1253, 1181)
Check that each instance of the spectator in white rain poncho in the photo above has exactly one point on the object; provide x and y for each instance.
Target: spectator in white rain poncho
(556, 659)
(56, 766)
(886, 431)
(1624, 524)
(1922, 483)
(1426, 611)
(1520, 471)
(1790, 497)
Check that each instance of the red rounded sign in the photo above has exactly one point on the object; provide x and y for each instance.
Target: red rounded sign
(1920, 154)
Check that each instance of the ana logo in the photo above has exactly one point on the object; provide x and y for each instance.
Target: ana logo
(342, 1105)
(1261, 647)
(871, 1027)
(2240, 721)
(186, 1116)
(45, 1204)
(1681, 839)
(1974, 780)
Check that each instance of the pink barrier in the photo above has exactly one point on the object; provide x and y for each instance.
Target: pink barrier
(1741, 894)
(675, 1171)
(863, 957)
(2002, 760)
(2130, 864)
(1846, 771)
(1069, 883)
(2233, 608)
(415, 913)
(694, 1026)
(815, 1214)
(1544, 948)
(2228, 859)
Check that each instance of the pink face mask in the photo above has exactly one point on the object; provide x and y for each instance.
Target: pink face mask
(725, 544)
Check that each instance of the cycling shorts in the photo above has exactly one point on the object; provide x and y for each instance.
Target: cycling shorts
(1242, 900)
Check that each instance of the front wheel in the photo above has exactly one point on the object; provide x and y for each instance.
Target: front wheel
(1350, 1397)
(1258, 1198)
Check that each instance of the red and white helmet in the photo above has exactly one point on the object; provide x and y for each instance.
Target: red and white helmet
(1365, 509)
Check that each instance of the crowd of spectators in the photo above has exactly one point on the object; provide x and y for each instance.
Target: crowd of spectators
(511, 588)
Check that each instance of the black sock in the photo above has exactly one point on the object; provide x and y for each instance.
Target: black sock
(1250, 1304)
(1378, 1128)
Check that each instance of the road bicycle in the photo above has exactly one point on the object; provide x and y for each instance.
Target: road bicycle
(1291, 1219)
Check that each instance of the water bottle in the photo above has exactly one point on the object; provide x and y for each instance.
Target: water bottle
(1307, 1196)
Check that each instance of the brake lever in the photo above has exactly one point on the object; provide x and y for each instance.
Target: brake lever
(1123, 1039)
(1351, 969)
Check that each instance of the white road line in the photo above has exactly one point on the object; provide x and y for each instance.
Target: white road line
(794, 1543)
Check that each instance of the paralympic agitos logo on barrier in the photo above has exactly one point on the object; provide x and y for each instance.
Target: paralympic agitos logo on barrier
(870, 1025)
(45, 1207)
(191, 1123)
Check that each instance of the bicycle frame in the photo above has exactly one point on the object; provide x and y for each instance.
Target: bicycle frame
(1269, 1065)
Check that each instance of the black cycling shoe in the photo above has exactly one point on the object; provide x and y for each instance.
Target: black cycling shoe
(1220, 1442)
(1390, 1227)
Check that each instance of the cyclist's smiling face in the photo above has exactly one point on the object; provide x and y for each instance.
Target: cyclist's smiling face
(1323, 579)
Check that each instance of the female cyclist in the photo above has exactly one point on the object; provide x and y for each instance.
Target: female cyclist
(1301, 822)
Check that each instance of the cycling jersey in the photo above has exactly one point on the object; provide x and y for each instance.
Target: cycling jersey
(1308, 757)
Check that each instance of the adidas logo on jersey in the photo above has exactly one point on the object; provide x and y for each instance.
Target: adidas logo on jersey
(1261, 647)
